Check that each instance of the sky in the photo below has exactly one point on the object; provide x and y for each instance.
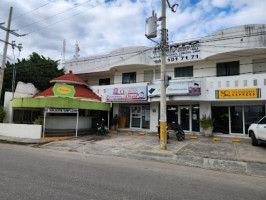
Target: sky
(100, 26)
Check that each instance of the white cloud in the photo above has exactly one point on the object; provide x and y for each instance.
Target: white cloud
(117, 24)
(220, 3)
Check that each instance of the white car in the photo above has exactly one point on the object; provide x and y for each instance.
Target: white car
(257, 131)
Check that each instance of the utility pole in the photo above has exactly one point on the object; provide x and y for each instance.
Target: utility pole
(152, 33)
(163, 139)
(5, 50)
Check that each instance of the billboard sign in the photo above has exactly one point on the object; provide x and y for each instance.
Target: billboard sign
(137, 93)
(181, 88)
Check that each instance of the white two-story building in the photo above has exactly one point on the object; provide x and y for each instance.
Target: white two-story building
(222, 75)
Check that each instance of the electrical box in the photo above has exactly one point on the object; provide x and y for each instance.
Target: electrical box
(151, 26)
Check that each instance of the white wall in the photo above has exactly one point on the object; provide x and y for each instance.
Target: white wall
(154, 120)
(21, 130)
(67, 122)
(8, 107)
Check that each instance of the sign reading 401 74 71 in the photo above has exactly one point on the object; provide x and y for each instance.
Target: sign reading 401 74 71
(178, 53)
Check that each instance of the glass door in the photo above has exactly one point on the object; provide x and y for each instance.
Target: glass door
(184, 114)
(236, 119)
(135, 116)
(195, 118)
(220, 116)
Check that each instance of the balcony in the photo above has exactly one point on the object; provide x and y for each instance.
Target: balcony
(235, 82)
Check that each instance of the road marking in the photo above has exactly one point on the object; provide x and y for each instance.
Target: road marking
(193, 137)
(235, 140)
(217, 139)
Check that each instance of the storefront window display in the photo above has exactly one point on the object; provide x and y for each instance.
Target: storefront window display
(134, 116)
(185, 117)
(253, 114)
(220, 117)
(240, 118)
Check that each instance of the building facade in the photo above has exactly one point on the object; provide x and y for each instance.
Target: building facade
(222, 75)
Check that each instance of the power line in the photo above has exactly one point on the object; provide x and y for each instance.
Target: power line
(56, 14)
(62, 20)
(25, 13)
(232, 58)
(19, 68)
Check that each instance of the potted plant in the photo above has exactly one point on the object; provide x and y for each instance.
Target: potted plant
(206, 123)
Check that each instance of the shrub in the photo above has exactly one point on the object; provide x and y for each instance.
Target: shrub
(38, 121)
(206, 122)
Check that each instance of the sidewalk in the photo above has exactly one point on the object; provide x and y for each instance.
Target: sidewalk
(203, 152)
(224, 155)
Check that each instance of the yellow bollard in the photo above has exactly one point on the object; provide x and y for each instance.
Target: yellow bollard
(163, 138)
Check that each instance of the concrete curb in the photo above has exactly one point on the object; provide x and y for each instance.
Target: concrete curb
(237, 167)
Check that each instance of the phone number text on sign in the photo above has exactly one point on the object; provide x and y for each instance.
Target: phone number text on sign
(178, 53)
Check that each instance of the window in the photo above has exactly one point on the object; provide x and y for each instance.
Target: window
(228, 68)
(104, 81)
(259, 66)
(157, 74)
(129, 78)
(184, 71)
(148, 76)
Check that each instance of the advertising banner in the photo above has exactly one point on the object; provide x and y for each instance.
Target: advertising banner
(178, 53)
(176, 88)
(239, 93)
(137, 93)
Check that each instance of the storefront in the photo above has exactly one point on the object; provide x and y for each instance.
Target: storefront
(131, 106)
(178, 109)
(234, 117)
(185, 115)
(134, 116)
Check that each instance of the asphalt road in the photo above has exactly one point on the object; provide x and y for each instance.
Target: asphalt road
(33, 173)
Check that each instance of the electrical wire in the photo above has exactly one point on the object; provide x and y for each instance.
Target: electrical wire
(23, 14)
(168, 71)
(63, 20)
(56, 14)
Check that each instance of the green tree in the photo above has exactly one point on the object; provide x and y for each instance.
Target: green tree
(37, 70)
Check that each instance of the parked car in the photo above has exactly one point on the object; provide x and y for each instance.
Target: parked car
(257, 131)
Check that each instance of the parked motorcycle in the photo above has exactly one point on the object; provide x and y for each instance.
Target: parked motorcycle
(102, 129)
(178, 131)
(180, 134)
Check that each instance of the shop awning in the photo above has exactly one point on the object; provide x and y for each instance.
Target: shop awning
(58, 102)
